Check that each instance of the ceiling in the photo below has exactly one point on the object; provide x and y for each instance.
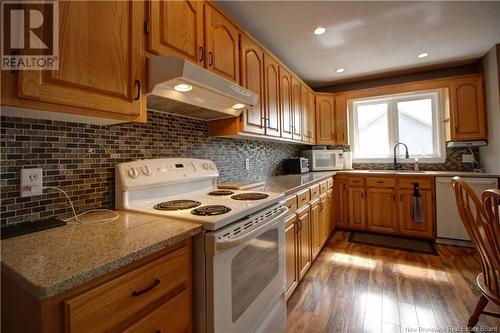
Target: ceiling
(368, 37)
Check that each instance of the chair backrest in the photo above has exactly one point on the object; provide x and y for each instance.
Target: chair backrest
(491, 203)
(476, 222)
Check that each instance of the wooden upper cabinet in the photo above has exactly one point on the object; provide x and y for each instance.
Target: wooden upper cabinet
(271, 96)
(176, 28)
(381, 209)
(101, 62)
(467, 111)
(221, 40)
(304, 104)
(325, 122)
(286, 103)
(296, 110)
(341, 124)
(252, 78)
(311, 114)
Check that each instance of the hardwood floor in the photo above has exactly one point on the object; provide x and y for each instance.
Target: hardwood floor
(360, 288)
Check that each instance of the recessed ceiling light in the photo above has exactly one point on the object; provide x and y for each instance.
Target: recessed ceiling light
(422, 55)
(339, 70)
(238, 106)
(183, 87)
(319, 31)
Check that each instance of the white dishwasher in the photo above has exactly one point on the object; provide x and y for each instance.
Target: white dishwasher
(450, 229)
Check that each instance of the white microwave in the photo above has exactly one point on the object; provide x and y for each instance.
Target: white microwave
(324, 160)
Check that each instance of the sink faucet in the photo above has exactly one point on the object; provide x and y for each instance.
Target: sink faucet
(397, 165)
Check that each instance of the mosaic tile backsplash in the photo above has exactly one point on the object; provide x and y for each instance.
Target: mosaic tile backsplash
(80, 159)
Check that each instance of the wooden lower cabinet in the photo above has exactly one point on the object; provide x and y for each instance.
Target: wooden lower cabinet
(291, 254)
(341, 197)
(409, 226)
(324, 219)
(315, 225)
(381, 209)
(331, 207)
(304, 220)
(357, 204)
(153, 294)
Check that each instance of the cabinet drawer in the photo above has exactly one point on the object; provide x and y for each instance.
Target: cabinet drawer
(355, 181)
(323, 186)
(407, 183)
(303, 198)
(112, 303)
(381, 181)
(329, 183)
(171, 317)
(291, 203)
(314, 191)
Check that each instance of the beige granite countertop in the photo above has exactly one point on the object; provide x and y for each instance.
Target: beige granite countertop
(48, 262)
(288, 184)
(419, 173)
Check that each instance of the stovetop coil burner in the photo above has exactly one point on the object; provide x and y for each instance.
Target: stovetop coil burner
(211, 210)
(249, 196)
(220, 192)
(177, 205)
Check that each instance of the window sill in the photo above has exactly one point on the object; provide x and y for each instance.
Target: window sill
(423, 160)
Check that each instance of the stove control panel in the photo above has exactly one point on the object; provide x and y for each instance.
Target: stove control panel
(163, 171)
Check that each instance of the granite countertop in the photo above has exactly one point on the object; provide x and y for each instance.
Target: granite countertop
(48, 262)
(288, 184)
(419, 173)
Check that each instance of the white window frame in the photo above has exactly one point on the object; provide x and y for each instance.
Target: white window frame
(438, 104)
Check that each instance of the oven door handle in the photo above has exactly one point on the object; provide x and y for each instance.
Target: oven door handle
(224, 245)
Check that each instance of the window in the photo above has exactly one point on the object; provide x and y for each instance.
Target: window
(377, 124)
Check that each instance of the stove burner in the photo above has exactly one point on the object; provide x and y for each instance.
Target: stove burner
(211, 210)
(177, 205)
(221, 192)
(249, 196)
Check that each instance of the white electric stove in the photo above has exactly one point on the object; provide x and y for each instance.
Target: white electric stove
(244, 229)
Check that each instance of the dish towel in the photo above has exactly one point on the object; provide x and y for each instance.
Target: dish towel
(417, 208)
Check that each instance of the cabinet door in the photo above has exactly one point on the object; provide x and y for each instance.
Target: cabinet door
(291, 254)
(341, 137)
(311, 114)
(324, 221)
(176, 28)
(342, 203)
(409, 226)
(286, 103)
(304, 102)
(382, 210)
(252, 78)
(272, 95)
(315, 226)
(467, 109)
(101, 60)
(296, 110)
(357, 215)
(330, 206)
(221, 40)
(325, 130)
(305, 242)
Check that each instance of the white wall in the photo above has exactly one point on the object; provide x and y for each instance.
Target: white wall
(490, 154)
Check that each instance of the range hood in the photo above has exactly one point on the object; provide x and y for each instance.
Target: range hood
(461, 144)
(178, 86)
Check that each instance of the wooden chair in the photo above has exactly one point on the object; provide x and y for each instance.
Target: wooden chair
(481, 220)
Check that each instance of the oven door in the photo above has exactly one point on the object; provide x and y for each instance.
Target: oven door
(245, 278)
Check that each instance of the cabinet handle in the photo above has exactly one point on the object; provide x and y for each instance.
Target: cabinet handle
(210, 59)
(362, 195)
(201, 53)
(145, 290)
(137, 83)
(380, 181)
(400, 197)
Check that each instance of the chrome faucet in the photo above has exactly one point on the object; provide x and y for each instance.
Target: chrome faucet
(397, 165)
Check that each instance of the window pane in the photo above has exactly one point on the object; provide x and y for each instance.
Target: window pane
(415, 126)
(373, 131)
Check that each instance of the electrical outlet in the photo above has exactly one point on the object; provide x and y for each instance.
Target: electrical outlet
(467, 158)
(31, 182)
(247, 164)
